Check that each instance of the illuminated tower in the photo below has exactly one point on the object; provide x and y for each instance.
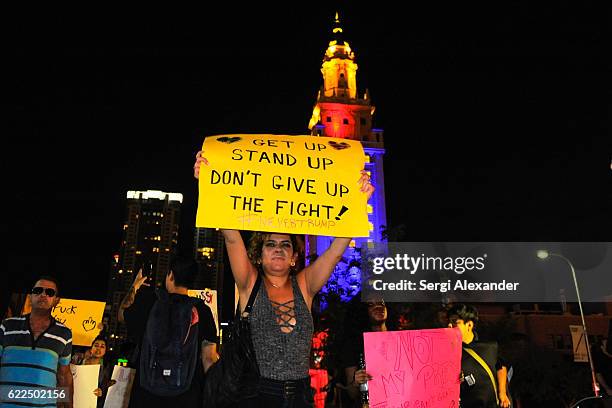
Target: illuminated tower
(339, 112)
(150, 235)
(209, 247)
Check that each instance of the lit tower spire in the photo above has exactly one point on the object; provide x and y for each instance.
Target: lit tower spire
(340, 112)
(339, 68)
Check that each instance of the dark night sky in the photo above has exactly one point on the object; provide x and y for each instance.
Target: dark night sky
(496, 119)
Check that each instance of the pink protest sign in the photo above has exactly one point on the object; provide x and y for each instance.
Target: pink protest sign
(413, 368)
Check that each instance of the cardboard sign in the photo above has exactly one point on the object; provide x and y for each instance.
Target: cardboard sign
(209, 297)
(414, 368)
(578, 344)
(83, 317)
(279, 183)
(85, 379)
(118, 395)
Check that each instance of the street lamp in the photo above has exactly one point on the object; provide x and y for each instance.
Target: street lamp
(543, 254)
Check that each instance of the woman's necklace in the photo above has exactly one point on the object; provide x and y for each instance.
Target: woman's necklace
(273, 284)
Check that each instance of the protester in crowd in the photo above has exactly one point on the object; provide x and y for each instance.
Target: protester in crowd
(281, 321)
(368, 317)
(135, 311)
(484, 376)
(142, 290)
(405, 316)
(35, 349)
(95, 355)
(601, 352)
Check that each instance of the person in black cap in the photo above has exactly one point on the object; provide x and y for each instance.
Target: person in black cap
(484, 378)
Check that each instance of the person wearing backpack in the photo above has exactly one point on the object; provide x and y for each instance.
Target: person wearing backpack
(177, 344)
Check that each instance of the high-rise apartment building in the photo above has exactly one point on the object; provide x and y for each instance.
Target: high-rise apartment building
(149, 241)
(209, 248)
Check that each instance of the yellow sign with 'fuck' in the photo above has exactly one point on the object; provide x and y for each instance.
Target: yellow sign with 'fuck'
(83, 317)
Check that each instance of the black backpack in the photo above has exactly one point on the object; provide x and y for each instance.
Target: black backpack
(169, 351)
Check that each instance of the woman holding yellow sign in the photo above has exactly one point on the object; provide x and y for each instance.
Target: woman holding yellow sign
(281, 321)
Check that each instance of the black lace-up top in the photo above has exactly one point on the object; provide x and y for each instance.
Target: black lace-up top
(282, 349)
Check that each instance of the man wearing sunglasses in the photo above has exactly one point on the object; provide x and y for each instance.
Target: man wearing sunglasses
(35, 352)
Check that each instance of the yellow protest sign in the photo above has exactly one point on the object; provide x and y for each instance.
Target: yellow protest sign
(209, 296)
(281, 183)
(83, 317)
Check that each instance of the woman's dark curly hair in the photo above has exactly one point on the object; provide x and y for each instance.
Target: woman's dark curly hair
(100, 337)
(256, 246)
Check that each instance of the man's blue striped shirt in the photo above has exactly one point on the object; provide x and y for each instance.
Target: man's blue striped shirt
(26, 362)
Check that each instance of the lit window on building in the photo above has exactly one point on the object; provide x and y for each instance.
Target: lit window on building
(207, 252)
(138, 252)
(370, 226)
(370, 209)
(370, 243)
(352, 243)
